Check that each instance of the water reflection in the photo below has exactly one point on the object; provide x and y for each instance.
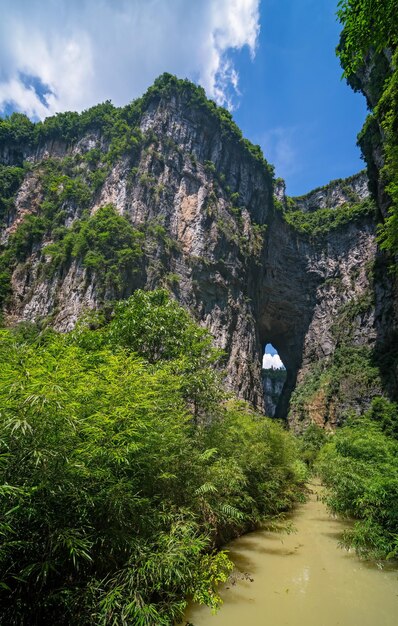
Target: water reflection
(302, 581)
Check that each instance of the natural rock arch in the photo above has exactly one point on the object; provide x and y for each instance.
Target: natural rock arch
(222, 242)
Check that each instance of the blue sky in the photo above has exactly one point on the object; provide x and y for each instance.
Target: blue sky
(272, 61)
(294, 103)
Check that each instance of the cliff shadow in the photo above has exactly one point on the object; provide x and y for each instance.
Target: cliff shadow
(286, 299)
(385, 352)
(288, 340)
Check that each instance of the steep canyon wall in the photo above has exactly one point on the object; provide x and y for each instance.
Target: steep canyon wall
(208, 221)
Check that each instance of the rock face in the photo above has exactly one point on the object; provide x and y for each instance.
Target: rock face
(211, 229)
(370, 80)
(338, 193)
(273, 383)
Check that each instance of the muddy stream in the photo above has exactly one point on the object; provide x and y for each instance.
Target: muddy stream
(303, 579)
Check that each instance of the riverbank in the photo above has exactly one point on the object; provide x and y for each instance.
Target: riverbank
(303, 579)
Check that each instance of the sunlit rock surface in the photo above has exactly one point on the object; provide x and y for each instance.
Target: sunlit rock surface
(246, 274)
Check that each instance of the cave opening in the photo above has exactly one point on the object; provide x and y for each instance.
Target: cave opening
(274, 375)
(282, 326)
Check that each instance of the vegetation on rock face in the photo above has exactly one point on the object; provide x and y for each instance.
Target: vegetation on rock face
(119, 479)
(367, 24)
(347, 379)
(341, 202)
(387, 113)
(359, 462)
(58, 227)
(331, 388)
(106, 243)
(322, 221)
(10, 179)
(273, 381)
(120, 126)
(370, 36)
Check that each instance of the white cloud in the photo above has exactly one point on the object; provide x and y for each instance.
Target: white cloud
(272, 361)
(88, 51)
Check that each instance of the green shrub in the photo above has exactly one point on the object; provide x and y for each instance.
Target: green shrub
(310, 443)
(320, 222)
(16, 129)
(370, 30)
(113, 497)
(347, 381)
(107, 245)
(10, 179)
(359, 466)
(367, 24)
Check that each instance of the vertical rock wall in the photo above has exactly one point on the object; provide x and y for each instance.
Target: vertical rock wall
(226, 250)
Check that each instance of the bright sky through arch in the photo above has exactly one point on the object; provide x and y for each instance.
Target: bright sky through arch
(271, 359)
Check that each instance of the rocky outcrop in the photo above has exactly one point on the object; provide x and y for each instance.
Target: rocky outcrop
(201, 199)
(335, 194)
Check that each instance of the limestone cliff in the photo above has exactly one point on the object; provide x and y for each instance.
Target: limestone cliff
(167, 192)
(355, 321)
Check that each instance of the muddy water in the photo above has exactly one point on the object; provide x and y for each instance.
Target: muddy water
(303, 579)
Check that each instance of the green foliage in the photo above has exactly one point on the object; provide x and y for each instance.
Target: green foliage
(210, 167)
(140, 324)
(122, 135)
(310, 442)
(10, 179)
(368, 24)
(255, 466)
(16, 129)
(113, 498)
(387, 113)
(154, 326)
(370, 28)
(348, 380)
(107, 244)
(359, 466)
(322, 221)
(349, 314)
(385, 413)
(29, 232)
(124, 140)
(60, 190)
(274, 374)
(120, 126)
